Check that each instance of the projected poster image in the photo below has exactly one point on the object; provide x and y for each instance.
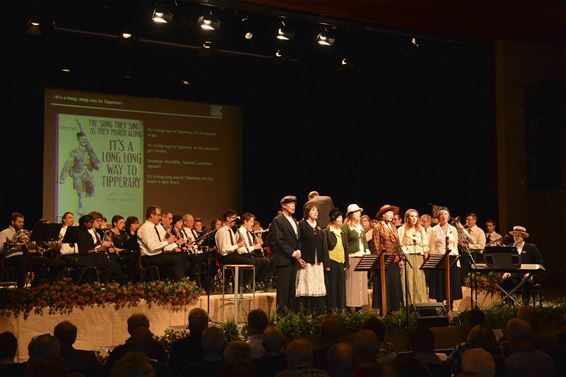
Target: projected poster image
(100, 164)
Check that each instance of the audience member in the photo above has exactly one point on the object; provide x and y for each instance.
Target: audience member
(273, 361)
(478, 362)
(342, 360)
(366, 344)
(299, 354)
(238, 369)
(386, 353)
(213, 345)
(237, 351)
(133, 364)
(330, 333)
(421, 340)
(478, 337)
(141, 340)
(8, 348)
(79, 361)
(45, 357)
(406, 367)
(525, 359)
(189, 349)
(257, 323)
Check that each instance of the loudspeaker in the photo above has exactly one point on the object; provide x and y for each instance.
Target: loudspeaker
(431, 314)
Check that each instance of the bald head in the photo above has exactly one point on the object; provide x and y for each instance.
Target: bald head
(342, 360)
(330, 329)
(66, 333)
(273, 339)
(238, 351)
(299, 353)
(518, 330)
(366, 343)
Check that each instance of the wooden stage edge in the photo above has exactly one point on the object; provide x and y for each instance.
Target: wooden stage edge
(101, 328)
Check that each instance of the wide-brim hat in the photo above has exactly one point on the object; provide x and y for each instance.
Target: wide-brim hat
(519, 230)
(385, 208)
(288, 199)
(353, 208)
(334, 214)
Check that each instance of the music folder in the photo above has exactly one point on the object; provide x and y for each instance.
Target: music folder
(46, 232)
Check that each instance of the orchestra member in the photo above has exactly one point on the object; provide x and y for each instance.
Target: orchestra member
(476, 244)
(443, 238)
(386, 240)
(14, 254)
(310, 288)
(338, 261)
(414, 243)
(253, 245)
(152, 240)
(69, 251)
(131, 227)
(530, 254)
(492, 238)
(284, 239)
(356, 281)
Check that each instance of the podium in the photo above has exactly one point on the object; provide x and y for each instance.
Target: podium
(439, 262)
(369, 262)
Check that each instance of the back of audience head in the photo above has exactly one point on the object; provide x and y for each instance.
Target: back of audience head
(273, 339)
(8, 347)
(237, 369)
(421, 339)
(518, 331)
(528, 313)
(198, 320)
(44, 346)
(50, 367)
(376, 325)
(137, 322)
(409, 367)
(366, 343)
(237, 351)
(299, 353)
(482, 337)
(213, 342)
(257, 322)
(479, 362)
(133, 364)
(66, 333)
(342, 360)
(330, 329)
(475, 317)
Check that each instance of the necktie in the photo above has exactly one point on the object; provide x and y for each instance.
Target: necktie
(157, 231)
(250, 239)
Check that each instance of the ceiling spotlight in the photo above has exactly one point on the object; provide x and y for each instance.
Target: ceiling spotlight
(34, 21)
(163, 14)
(185, 82)
(325, 38)
(209, 23)
(278, 54)
(344, 62)
(414, 42)
(284, 33)
(248, 35)
(126, 35)
(66, 70)
(207, 44)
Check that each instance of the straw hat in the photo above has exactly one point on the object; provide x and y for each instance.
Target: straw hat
(520, 231)
(386, 208)
(353, 208)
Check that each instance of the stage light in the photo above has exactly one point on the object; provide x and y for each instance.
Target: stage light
(207, 44)
(248, 35)
(185, 82)
(126, 35)
(325, 38)
(247, 28)
(208, 22)
(414, 42)
(284, 33)
(66, 70)
(34, 21)
(344, 62)
(163, 14)
(279, 54)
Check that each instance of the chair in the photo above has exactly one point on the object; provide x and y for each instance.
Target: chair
(536, 292)
(152, 270)
(238, 294)
(88, 269)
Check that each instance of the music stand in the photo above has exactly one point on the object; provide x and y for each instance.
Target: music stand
(45, 232)
(370, 262)
(439, 262)
(71, 235)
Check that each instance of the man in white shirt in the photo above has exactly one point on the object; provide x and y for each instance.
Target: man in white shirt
(154, 242)
(492, 238)
(253, 245)
(14, 254)
(475, 245)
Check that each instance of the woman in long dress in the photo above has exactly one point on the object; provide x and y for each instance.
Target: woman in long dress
(356, 281)
(310, 288)
(414, 243)
(444, 237)
(338, 256)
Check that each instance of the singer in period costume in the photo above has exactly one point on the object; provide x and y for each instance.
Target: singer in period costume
(414, 243)
(443, 238)
(285, 244)
(356, 281)
(338, 261)
(386, 240)
(310, 288)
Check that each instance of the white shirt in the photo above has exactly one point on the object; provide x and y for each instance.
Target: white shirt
(493, 236)
(413, 241)
(437, 242)
(226, 241)
(66, 248)
(248, 238)
(150, 243)
(478, 238)
(519, 247)
(293, 224)
(8, 234)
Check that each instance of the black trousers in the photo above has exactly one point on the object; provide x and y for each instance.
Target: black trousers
(235, 258)
(165, 260)
(19, 264)
(335, 281)
(285, 300)
(514, 280)
(393, 291)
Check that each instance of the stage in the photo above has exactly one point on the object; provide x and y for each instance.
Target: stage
(102, 328)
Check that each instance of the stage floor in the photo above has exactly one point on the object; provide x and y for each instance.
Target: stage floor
(102, 328)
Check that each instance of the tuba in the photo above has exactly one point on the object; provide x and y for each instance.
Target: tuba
(464, 237)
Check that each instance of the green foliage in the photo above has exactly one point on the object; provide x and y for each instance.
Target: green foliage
(352, 320)
(231, 330)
